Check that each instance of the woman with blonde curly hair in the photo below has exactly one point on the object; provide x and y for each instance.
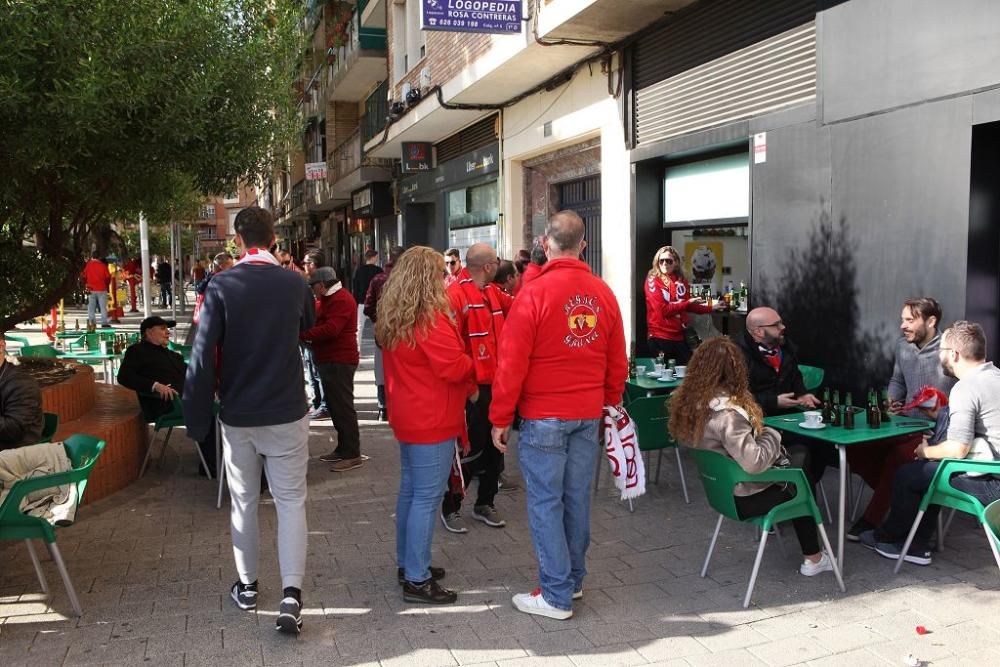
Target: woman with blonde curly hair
(668, 304)
(713, 409)
(428, 377)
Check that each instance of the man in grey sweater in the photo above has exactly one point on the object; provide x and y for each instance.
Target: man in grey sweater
(973, 433)
(247, 347)
(917, 366)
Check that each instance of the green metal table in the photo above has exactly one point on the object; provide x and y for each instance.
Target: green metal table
(843, 438)
(652, 386)
(108, 361)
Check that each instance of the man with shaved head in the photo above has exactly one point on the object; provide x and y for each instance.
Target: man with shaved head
(773, 364)
(480, 308)
(562, 360)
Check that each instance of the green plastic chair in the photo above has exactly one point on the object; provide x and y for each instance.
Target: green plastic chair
(812, 376)
(43, 351)
(941, 492)
(21, 340)
(49, 427)
(651, 416)
(89, 341)
(720, 474)
(82, 451)
(168, 421)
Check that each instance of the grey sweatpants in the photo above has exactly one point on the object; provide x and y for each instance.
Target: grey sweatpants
(283, 451)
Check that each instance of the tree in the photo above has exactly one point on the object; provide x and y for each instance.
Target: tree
(110, 108)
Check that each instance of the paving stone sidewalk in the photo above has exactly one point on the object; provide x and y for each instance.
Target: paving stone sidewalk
(153, 564)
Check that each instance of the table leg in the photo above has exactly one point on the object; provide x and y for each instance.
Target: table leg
(841, 506)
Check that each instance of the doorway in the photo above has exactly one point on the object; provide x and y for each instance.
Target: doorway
(982, 287)
(584, 197)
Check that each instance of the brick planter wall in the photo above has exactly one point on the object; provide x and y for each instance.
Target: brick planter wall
(73, 398)
(108, 412)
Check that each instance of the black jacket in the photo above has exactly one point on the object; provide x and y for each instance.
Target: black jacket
(765, 384)
(21, 418)
(163, 273)
(145, 363)
(362, 278)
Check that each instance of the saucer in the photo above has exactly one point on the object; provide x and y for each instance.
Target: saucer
(811, 427)
(663, 379)
(652, 374)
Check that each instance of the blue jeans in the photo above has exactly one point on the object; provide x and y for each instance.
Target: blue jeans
(558, 458)
(98, 300)
(423, 475)
(313, 380)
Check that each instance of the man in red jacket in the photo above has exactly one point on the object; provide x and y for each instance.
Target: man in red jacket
(97, 277)
(479, 307)
(566, 328)
(334, 340)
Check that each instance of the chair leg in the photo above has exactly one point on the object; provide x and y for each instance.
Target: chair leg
(659, 464)
(829, 550)
(947, 524)
(940, 532)
(711, 546)
(680, 472)
(149, 453)
(756, 567)
(994, 547)
(163, 450)
(201, 457)
(38, 567)
(221, 462)
(631, 507)
(826, 501)
(61, 566)
(909, 541)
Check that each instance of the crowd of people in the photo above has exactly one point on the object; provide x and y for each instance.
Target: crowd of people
(468, 350)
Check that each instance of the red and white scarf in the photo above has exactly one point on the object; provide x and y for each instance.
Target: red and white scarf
(484, 323)
(621, 444)
(257, 256)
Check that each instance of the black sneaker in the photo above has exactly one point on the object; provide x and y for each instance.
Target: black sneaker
(437, 573)
(860, 526)
(244, 595)
(428, 592)
(289, 616)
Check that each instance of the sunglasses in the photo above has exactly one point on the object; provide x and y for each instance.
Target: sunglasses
(666, 260)
(452, 262)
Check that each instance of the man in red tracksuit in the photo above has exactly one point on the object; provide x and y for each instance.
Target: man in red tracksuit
(97, 277)
(335, 349)
(562, 359)
(479, 308)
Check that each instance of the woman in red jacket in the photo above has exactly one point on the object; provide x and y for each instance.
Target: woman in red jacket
(668, 302)
(428, 377)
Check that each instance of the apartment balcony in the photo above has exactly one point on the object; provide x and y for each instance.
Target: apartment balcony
(348, 169)
(601, 20)
(372, 13)
(357, 65)
(376, 112)
(293, 207)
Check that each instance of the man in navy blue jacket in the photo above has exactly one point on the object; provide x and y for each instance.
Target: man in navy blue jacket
(247, 350)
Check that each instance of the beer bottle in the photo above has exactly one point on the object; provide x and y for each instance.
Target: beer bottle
(886, 415)
(631, 361)
(836, 408)
(849, 411)
(76, 327)
(827, 409)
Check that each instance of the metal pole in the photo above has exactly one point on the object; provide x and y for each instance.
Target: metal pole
(180, 268)
(173, 265)
(144, 254)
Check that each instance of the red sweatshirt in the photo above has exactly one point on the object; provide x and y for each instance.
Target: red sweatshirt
(562, 351)
(427, 385)
(479, 331)
(334, 337)
(97, 275)
(667, 308)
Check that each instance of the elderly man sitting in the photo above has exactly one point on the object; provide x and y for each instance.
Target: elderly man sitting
(156, 374)
(20, 405)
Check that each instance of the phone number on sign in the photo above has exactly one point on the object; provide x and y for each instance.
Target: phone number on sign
(486, 25)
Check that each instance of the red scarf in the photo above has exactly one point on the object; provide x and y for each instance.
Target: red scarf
(484, 323)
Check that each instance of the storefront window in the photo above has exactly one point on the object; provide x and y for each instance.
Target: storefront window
(472, 215)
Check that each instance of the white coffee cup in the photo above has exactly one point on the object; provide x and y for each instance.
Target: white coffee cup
(667, 374)
(657, 368)
(813, 417)
(681, 371)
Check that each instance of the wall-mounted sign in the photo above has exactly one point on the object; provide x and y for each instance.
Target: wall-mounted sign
(417, 157)
(493, 16)
(361, 199)
(315, 171)
(372, 201)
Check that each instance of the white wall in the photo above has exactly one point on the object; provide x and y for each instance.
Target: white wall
(578, 111)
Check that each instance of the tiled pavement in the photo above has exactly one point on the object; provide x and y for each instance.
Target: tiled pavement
(153, 564)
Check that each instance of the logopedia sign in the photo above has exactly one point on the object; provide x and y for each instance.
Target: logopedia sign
(493, 16)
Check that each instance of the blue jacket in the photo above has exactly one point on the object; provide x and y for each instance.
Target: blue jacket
(250, 321)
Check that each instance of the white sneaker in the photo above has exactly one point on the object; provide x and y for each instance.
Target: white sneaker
(534, 603)
(811, 569)
(578, 595)
(453, 523)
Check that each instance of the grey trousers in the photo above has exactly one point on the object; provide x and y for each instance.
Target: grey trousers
(283, 451)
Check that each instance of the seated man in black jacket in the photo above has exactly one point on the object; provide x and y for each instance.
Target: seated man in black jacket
(773, 365)
(21, 418)
(150, 369)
